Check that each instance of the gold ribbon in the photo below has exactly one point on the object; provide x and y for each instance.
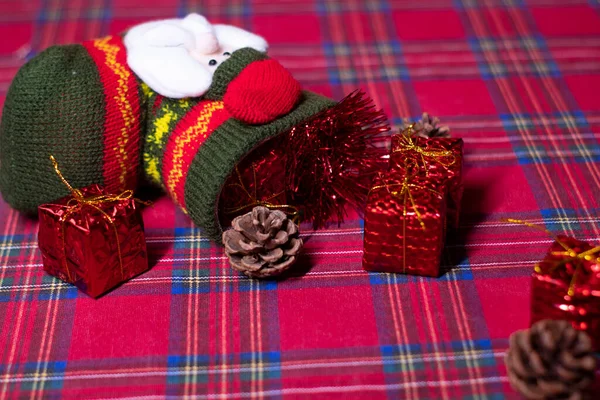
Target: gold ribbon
(587, 255)
(79, 201)
(254, 202)
(407, 144)
(407, 197)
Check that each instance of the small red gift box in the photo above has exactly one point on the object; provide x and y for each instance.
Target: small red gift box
(566, 285)
(439, 159)
(405, 223)
(93, 240)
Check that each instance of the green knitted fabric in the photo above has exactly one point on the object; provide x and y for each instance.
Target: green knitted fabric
(55, 105)
(216, 159)
(162, 119)
(165, 113)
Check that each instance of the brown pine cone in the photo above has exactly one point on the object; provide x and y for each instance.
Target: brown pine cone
(551, 360)
(262, 243)
(428, 127)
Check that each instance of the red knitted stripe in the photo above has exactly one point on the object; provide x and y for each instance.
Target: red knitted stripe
(183, 144)
(157, 103)
(122, 113)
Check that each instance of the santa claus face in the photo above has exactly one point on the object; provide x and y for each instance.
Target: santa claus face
(178, 57)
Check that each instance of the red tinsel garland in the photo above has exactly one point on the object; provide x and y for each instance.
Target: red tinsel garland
(331, 158)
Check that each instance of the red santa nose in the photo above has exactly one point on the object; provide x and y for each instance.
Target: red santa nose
(262, 92)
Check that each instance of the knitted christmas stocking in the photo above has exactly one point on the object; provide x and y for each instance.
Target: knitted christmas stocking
(86, 106)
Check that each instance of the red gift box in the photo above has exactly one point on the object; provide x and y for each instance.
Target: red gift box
(405, 223)
(566, 285)
(438, 159)
(93, 240)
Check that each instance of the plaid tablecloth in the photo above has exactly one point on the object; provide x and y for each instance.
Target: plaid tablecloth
(519, 80)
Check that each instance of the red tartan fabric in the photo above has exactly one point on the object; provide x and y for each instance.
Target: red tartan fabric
(519, 81)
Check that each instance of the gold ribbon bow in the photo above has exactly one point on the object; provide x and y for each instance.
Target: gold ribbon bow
(79, 201)
(406, 196)
(253, 198)
(587, 255)
(407, 143)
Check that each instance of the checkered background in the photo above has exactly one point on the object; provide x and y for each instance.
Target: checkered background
(519, 80)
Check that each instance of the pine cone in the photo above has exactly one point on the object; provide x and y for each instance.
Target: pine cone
(551, 360)
(262, 243)
(427, 127)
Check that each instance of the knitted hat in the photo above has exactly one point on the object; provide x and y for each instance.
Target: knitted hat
(84, 105)
(80, 103)
(193, 146)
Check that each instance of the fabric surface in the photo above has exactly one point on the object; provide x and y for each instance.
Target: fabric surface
(518, 80)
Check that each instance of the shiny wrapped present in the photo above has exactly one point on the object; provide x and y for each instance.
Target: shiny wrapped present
(405, 223)
(439, 159)
(92, 239)
(566, 285)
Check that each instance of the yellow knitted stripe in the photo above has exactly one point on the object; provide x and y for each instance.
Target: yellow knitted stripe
(198, 131)
(160, 128)
(169, 113)
(147, 91)
(151, 167)
(161, 125)
(129, 118)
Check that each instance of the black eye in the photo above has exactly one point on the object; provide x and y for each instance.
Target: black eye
(212, 62)
(227, 53)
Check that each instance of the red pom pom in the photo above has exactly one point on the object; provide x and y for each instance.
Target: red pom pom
(261, 93)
